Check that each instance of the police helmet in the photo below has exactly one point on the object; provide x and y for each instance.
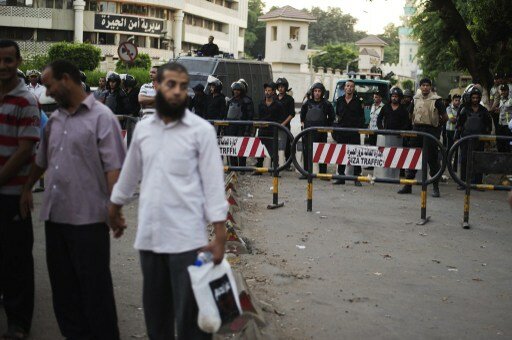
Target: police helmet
(216, 83)
(130, 81)
(398, 91)
(114, 77)
(475, 90)
(271, 84)
(244, 84)
(408, 93)
(31, 73)
(237, 86)
(83, 77)
(318, 86)
(283, 82)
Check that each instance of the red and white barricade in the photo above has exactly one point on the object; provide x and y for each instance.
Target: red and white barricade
(242, 147)
(365, 155)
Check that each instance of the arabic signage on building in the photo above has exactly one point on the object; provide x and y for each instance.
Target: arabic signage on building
(110, 22)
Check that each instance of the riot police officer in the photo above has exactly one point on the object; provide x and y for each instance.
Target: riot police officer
(316, 111)
(116, 98)
(349, 114)
(289, 106)
(216, 102)
(237, 110)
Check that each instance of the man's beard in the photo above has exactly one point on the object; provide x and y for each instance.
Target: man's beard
(395, 101)
(173, 111)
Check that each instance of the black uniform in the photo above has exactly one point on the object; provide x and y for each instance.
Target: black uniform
(209, 50)
(117, 101)
(469, 123)
(391, 119)
(215, 107)
(269, 113)
(198, 104)
(133, 107)
(313, 113)
(237, 110)
(349, 115)
(289, 107)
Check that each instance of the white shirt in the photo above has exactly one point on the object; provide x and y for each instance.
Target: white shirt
(182, 183)
(37, 90)
(374, 114)
(148, 90)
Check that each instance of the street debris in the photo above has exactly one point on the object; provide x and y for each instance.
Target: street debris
(423, 234)
(436, 261)
(300, 246)
(386, 256)
(377, 273)
(250, 195)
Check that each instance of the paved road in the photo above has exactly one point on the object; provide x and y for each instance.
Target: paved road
(359, 267)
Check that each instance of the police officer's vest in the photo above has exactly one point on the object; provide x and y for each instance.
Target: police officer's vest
(235, 110)
(474, 123)
(315, 113)
(425, 111)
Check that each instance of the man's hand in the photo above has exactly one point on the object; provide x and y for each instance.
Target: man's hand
(116, 220)
(26, 203)
(218, 245)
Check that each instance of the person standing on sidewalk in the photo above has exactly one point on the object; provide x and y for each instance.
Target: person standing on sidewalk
(19, 131)
(82, 152)
(374, 115)
(452, 111)
(289, 107)
(175, 157)
(428, 114)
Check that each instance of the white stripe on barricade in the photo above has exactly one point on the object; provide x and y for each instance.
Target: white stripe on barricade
(242, 147)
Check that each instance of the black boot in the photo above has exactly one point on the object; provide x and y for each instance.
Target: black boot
(406, 189)
(435, 190)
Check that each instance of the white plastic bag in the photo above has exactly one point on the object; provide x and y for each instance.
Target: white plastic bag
(216, 295)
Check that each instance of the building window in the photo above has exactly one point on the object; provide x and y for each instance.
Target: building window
(106, 38)
(218, 27)
(91, 6)
(294, 33)
(106, 7)
(241, 32)
(273, 36)
(134, 9)
(54, 35)
(16, 33)
(16, 3)
(59, 4)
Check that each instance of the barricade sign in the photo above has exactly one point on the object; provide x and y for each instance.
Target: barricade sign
(374, 156)
(479, 162)
(364, 155)
(242, 147)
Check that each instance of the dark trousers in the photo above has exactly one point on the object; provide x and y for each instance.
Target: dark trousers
(268, 141)
(349, 138)
(78, 258)
(288, 146)
(372, 140)
(450, 138)
(433, 157)
(16, 263)
(235, 130)
(167, 296)
(316, 137)
(477, 146)
(503, 145)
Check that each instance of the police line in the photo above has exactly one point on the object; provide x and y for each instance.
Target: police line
(479, 162)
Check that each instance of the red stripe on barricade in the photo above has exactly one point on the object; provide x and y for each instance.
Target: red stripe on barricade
(245, 141)
(415, 158)
(330, 153)
(230, 218)
(341, 155)
(232, 201)
(389, 159)
(254, 148)
(402, 159)
(318, 152)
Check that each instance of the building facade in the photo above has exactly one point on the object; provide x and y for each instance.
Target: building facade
(371, 54)
(161, 28)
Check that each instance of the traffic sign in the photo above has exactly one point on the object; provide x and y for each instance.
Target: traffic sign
(127, 51)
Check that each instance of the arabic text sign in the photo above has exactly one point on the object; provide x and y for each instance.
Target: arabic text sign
(365, 155)
(111, 22)
(242, 147)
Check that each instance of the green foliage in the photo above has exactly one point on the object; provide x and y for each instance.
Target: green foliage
(392, 51)
(143, 60)
(255, 33)
(141, 74)
(332, 27)
(84, 56)
(36, 62)
(337, 56)
(407, 84)
(439, 34)
(94, 76)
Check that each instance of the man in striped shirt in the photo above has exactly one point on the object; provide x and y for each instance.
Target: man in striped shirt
(19, 132)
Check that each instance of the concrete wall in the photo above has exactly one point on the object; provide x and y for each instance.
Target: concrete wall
(278, 50)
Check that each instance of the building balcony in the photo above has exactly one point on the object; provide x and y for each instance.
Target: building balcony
(26, 17)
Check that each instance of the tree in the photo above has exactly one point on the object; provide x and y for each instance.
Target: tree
(464, 35)
(332, 27)
(254, 43)
(84, 56)
(141, 61)
(392, 51)
(407, 85)
(337, 56)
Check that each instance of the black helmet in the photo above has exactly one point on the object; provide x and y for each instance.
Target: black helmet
(216, 83)
(244, 84)
(283, 82)
(318, 86)
(408, 93)
(476, 91)
(130, 81)
(237, 86)
(114, 77)
(271, 85)
(398, 91)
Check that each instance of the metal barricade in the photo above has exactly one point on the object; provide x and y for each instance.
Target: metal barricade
(425, 181)
(236, 148)
(479, 162)
(127, 126)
